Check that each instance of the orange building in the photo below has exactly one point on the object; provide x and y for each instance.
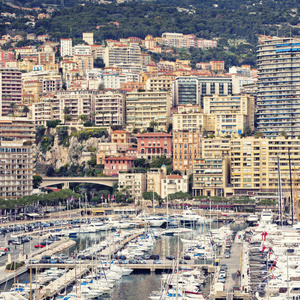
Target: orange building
(120, 137)
(187, 146)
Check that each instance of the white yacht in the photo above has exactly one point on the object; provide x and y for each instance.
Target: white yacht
(266, 216)
(252, 218)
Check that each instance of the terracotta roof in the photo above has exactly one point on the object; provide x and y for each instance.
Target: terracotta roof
(175, 176)
(120, 158)
(120, 131)
(154, 134)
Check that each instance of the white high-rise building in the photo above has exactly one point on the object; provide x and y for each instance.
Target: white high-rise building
(66, 47)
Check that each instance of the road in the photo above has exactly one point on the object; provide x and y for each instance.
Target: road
(16, 250)
(233, 265)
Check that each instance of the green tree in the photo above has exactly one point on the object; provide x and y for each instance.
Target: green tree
(67, 110)
(26, 109)
(50, 172)
(13, 106)
(68, 118)
(98, 63)
(37, 180)
(101, 87)
(52, 123)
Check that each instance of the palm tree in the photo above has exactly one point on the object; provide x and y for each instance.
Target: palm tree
(67, 110)
(26, 110)
(68, 118)
(83, 118)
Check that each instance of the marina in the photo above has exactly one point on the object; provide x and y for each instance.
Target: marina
(205, 259)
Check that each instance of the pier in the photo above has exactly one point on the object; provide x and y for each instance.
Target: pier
(62, 283)
(151, 267)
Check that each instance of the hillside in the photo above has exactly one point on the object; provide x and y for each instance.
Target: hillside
(237, 20)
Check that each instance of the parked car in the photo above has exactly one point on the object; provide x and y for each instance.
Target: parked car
(157, 262)
(53, 261)
(170, 257)
(227, 255)
(33, 261)
(154, 257)
(221, 279)
(187, 257)
(70, 261)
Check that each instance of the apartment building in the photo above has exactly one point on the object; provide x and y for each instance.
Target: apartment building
(187, 146)
(88, 37)
(172, 39)
(33, 87)
(120, 137)
(16, 169)
(192, 89)
(135, 183)
(211, 176)
(84, 62)
(109, 108)
(174, 183)
(191, 117)
(10, 89)
(278, 99)
(152, 144)
(254, 164)
(16, 129)
(78, 102)
(42, 111)
(82, 50)
(154, 177)
(216, 147)
(142, 108)
(51, 83)
(118, 53)
(114, 165)
(160, 83)
(232, 113)
(66, 47)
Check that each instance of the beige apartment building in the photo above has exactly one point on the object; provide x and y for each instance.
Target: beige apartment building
(216, 147)
(16, 129)
(211, 176)
(154, 177)
(254, 164)
(109, 108)
(174, 183)
(232, 113)
(32, 87)
(191, 117)
(187, 146)
(81, 102)
(222, 115)
(42, 111)
(142, 108)
(134, 182)
(16, 169)
(160, 83)
(246, 166)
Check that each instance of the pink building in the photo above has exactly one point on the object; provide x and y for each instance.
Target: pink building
(131, 152)
(113, 165)
(154, 144)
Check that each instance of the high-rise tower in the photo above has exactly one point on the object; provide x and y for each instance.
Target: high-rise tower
(278, 100)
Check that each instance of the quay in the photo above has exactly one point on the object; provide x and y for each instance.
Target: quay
(62, 283)
(166, 265)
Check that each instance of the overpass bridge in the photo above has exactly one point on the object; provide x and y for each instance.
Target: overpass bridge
(48, 181)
